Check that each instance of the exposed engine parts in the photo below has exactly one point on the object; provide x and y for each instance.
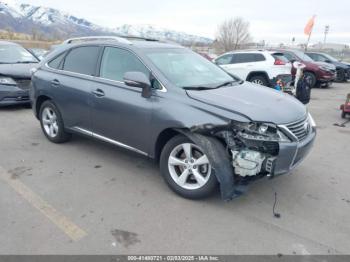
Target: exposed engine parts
(247, 162)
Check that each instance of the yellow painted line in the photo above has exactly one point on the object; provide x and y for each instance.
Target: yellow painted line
(62, 222)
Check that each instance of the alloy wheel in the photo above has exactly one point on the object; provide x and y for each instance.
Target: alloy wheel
(189, 167)
(49, 120)
(258, 81)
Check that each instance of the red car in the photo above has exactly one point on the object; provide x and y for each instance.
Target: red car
(318, 73)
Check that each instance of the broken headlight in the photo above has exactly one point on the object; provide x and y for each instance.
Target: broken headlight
(261, 132)
(7, 81)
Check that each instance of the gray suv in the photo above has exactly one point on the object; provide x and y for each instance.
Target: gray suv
(205, 127)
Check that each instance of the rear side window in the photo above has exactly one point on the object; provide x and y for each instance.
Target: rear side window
(116, 62)
(82, 60)
(224, 60)
(281, 57)
(248, 58)
(56, 63)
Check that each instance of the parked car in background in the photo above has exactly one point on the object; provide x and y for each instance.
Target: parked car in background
(210, 57)
(343, 69)
(257, 66)
(39, 52)
(15, 73)
(168, 103)
(317, 73)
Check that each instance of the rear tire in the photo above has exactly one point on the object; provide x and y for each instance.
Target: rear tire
(178, 167)
(52, 123)
(259, 80)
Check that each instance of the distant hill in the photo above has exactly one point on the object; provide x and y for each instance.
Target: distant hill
(54, 24)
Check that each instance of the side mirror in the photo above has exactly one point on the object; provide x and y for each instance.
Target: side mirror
(328, 61)
(138, 79)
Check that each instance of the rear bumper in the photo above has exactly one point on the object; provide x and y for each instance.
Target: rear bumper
(12, 95)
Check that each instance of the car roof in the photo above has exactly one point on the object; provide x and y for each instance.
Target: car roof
(247, 51)
(131, 44)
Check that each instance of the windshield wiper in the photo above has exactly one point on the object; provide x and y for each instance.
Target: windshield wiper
(197, 87)
(226, 83)
(25, 62)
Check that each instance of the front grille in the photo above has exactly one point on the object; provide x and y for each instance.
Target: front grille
(23, 84)
(300, 129)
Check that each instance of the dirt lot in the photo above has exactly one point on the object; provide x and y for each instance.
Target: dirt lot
(86, 197)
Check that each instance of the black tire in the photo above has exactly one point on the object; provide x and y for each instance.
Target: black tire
(311, 78)
(341, 75)
(61, 135)
(203, 192)
(343, 114)
(260, 80)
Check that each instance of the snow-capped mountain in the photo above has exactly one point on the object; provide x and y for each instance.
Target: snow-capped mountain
(155, 32)
(53, 23)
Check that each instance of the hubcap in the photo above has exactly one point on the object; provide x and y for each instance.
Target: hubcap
(49, 120)
(258, 81)
(189, 167)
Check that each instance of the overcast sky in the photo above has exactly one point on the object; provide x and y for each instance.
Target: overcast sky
(272, 20)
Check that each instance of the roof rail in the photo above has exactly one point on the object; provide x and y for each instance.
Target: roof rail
(96, 38)
(138, 38)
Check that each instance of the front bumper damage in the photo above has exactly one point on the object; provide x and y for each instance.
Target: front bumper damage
(12, 95)
(238, 162)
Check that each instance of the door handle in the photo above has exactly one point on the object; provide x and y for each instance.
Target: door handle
(98, 93)
(55, 83)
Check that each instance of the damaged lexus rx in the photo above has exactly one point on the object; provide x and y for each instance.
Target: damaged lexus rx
(205, 127)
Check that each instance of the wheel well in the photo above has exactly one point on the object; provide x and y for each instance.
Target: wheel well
(252, 74)
(163, 138)
(39, 101)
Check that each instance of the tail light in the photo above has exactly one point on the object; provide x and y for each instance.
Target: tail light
(279, 62)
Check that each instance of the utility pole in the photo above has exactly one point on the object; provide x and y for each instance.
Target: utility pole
(326, 31)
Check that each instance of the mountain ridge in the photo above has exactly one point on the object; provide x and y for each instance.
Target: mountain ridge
(53, 23)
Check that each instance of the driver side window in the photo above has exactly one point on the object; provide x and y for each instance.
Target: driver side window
(116, 62)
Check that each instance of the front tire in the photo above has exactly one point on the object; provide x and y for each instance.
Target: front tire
(52, 123)
(341, 75)
(311, 78)
(186, 169)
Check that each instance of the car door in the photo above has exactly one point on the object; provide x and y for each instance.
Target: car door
(120, 114)
(71, 86)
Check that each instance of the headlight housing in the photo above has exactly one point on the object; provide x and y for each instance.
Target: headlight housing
(8, 81)
(326, 68)
(312, 121)
(261, 132)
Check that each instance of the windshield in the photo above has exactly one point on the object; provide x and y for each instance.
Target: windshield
(13, 54)
(185, 68)
(302, 56)
(331, 58)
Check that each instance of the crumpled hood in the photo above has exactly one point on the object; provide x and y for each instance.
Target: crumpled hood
(17, 70)
(256, 102)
